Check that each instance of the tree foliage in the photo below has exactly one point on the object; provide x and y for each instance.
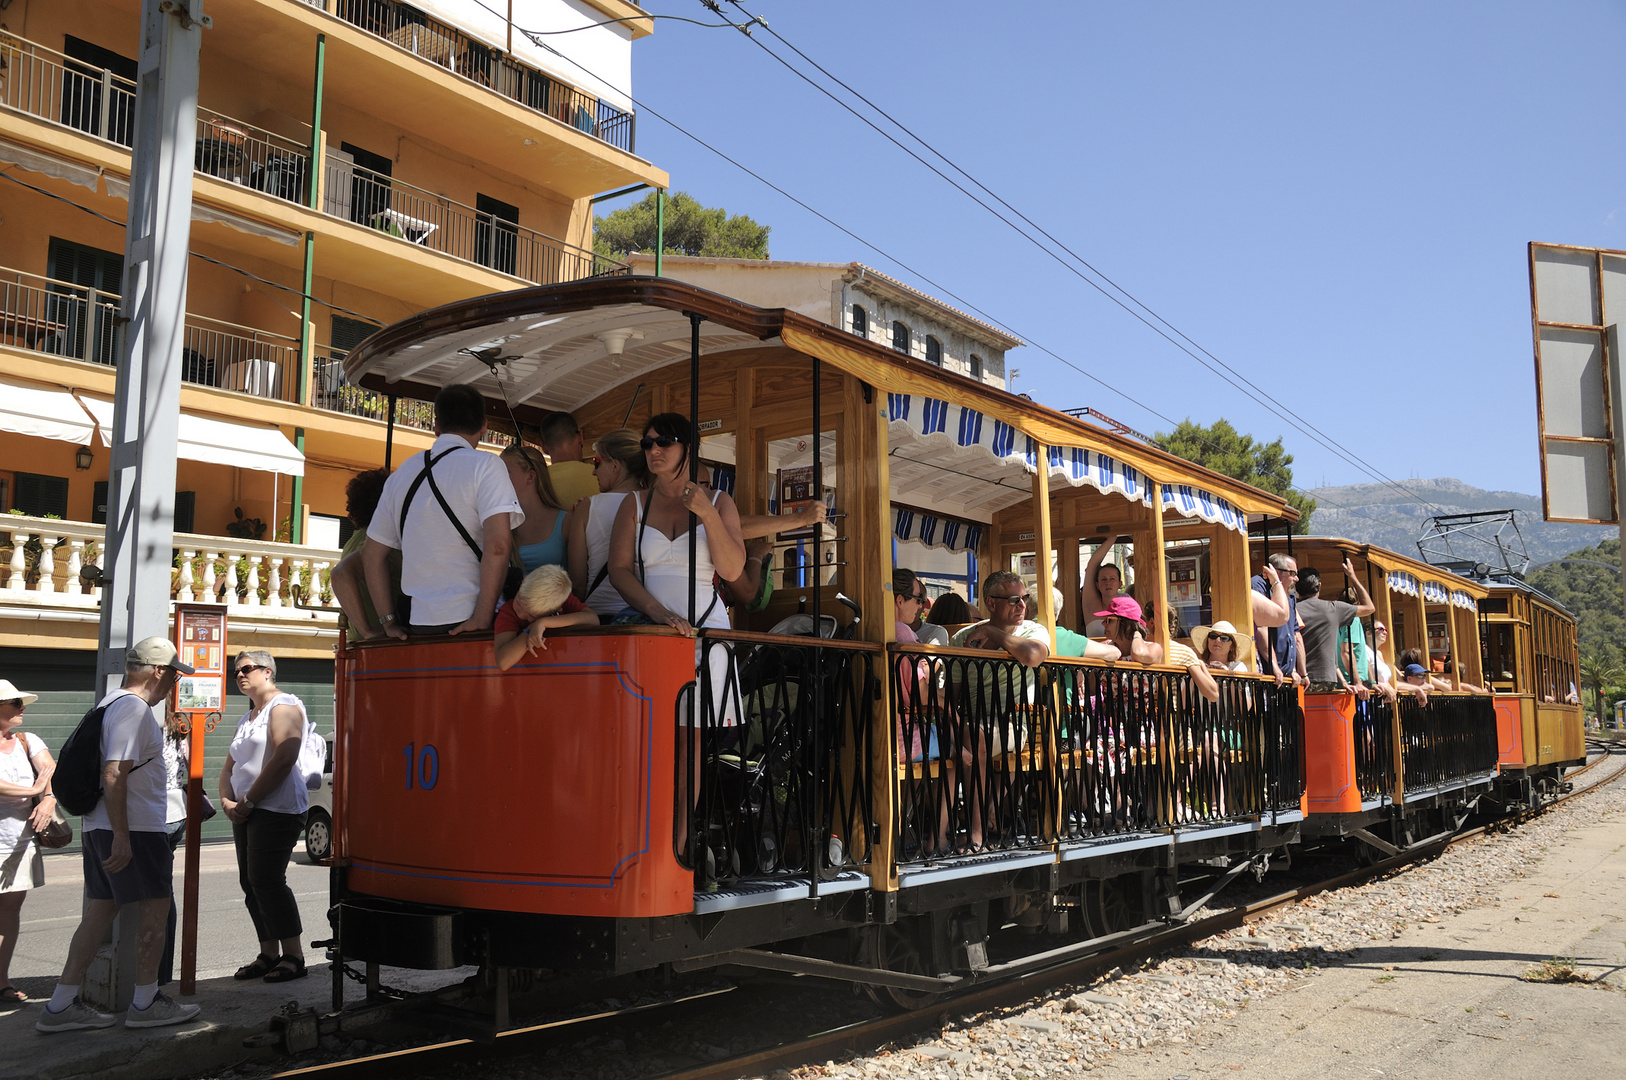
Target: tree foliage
(689, 229)
(1593, 593)
(1225, 450)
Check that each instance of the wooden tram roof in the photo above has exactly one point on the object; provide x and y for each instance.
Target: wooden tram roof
(1390, 562)
(551, 346)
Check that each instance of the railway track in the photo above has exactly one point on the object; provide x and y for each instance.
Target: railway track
(540, 1040)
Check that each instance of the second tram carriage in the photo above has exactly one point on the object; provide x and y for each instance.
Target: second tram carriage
(1061, 803)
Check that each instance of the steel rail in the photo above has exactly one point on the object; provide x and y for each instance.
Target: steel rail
(871, 1034)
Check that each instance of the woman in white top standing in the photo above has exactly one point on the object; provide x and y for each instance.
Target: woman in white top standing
(619, 467)
(25, 772)
(264, 795)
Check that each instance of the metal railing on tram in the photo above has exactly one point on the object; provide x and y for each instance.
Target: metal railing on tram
(1374, 748)
(775, 763)
(997, 756)
(1450, 739)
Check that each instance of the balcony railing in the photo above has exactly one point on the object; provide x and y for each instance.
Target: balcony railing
(251, 156)
(44, 83)
(42, 314)
(40, 561)
(478, 62)
(432, 221)
(1447, 741)
(330, 390)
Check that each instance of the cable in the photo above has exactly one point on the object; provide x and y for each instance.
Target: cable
(199, 255)
(1229, 374)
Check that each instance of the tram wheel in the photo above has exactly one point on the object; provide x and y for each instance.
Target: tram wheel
(894, 948)
(1112, 904)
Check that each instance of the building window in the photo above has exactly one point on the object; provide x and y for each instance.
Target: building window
(900, 338)
(860, 321)
(41, 496)
(496, 234)
(934, 351)
(976, 367)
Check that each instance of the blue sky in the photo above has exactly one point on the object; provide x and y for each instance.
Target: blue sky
(1333, 199)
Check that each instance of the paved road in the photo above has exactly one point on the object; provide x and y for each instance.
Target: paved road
(1446, 1000)
(225, 935)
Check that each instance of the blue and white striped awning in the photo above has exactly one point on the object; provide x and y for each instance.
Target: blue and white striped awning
(1463, 600)
(1435, 593)
(931, 420)
(935, 530)
(1402, 582)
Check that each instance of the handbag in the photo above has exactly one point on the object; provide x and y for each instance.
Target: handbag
(58, 834)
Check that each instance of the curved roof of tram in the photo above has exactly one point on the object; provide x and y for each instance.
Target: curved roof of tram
(558, 347)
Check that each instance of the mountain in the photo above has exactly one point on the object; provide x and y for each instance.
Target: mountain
(1378, 514)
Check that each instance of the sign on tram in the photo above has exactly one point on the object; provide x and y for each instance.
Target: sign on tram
(1577, 299)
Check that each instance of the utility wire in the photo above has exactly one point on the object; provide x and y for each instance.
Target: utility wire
(198, 254)
(899, 262)
(1151, 319)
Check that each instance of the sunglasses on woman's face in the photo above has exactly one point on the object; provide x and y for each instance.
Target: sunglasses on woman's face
(1219, 637)
(249, 669)
(662, 441)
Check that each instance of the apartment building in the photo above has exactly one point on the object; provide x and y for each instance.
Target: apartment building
(356, 161)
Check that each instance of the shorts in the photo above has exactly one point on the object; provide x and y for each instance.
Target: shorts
(148, 877)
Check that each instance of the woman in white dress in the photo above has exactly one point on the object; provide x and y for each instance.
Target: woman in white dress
(619, 467)
(649, 567)
(25, 772)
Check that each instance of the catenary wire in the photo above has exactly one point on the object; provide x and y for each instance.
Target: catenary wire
(1151, 319)
(899, 262)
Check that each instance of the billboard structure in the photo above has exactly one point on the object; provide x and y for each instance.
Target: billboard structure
(1577, 302)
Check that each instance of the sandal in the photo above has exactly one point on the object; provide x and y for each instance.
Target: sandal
(286, 969)
(257, 969)
(13, 995)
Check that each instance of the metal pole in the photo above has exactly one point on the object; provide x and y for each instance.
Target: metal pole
(660, 229)
(389, 435)
(313, 182)
(147, 401)
(820, 849)
(694, 446)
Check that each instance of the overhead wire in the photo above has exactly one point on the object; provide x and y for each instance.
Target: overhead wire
(302, 294)
(645, 107)
(1129, 303)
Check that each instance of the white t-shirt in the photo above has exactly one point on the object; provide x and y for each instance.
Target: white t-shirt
(438, 570)
(248, 758)
(17, 768)
(177, 774)
(131, 732)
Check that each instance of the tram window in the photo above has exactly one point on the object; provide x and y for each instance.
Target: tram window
(860, 321)
(976, 367)
(790, 464)
(934, 351)
(900, 338)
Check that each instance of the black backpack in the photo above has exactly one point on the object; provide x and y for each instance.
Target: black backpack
(77, 782)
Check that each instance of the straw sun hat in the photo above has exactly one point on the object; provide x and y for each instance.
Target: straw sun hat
(8, 692)
(1199, 640)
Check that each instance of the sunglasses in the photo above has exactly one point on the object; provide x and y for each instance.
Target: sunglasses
(597, 462)
(248, 669)
(919, 598)
(662, 441)
(1219, 637)
(1021, 598)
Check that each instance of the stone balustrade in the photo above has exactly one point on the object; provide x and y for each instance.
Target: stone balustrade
(41, 560)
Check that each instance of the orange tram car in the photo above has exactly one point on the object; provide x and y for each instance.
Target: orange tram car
(906, 817)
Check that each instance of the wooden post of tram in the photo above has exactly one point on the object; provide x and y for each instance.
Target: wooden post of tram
(1045, 599)
(866, 483)
(1154, 566)
(1451, 641)
(1383, 600)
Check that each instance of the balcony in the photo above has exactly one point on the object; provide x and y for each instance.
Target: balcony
(431, 221)
(50, 86)
(43, 315)
(40, 561)
(478, 62)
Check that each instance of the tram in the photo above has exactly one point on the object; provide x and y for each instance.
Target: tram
(535, 818)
